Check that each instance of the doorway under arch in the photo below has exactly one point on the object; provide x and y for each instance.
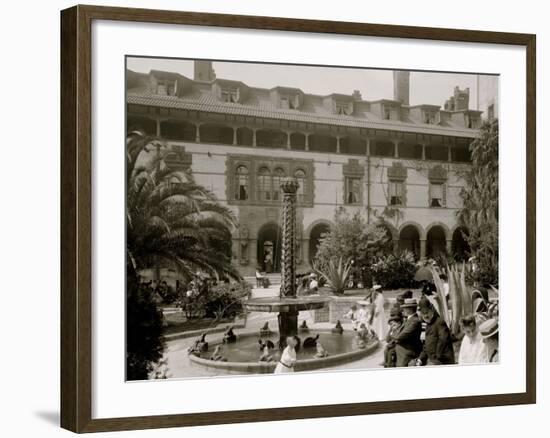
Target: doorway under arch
(269, 248)
(409, 240)
(315, 238)
(435, 241)
(460, 246)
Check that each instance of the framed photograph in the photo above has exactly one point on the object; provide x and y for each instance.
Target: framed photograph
(268, 219)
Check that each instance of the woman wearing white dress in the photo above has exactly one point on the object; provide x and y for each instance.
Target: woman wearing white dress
(472, 348)
(288, 358)
(379, 320)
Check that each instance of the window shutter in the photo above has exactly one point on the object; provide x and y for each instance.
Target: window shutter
(296, 101)
(429, 195)
(389, 192)
(403, 193)
(444, 195)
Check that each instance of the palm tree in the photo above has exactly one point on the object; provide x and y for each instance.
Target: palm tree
(171, 220)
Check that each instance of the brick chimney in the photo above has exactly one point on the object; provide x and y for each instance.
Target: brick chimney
(204, 71)
(401, 86)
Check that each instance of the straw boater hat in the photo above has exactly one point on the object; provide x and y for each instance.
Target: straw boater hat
(488, 328)
(364, 303)
(409, 303)
(376, 287)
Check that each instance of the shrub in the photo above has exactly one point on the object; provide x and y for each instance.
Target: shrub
(352, 239)
(144, 342)
(220, 301)
(226, 300)
(395, 271)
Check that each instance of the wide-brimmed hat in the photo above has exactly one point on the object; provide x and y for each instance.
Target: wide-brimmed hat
(488, 328)
(376, 287)
(410, 303)
(425, 303)
(312, 275)
(364, 303)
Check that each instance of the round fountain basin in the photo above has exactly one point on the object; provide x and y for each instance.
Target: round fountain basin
(285, 304)
(243, 356)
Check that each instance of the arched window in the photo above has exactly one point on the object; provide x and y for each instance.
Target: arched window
(264, 184)
(241, 187)
(278, 176)
(300, 175)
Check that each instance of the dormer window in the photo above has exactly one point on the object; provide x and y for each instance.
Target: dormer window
(290, 101)
(389, 111)
(474, 122)
(343, 108)
(230, 94)
(167, 87)
(430, 117)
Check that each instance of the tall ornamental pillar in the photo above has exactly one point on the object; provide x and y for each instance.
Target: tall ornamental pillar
(288, 319)
(289, 187)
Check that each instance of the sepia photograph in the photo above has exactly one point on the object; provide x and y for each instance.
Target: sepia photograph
(302, 218)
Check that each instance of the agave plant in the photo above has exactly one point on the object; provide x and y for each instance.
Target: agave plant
(463, 299)
(335, 273)
(439, 300)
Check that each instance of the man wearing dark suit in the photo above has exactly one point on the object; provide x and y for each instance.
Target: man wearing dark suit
(408, 341)
(438, 346)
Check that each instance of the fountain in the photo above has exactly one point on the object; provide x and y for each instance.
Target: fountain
(338, 347)
(288, 305)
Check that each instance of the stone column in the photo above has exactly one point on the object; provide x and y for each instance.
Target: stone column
(289, 187)
(395, 246)
(449, 246)
(198, 134)
(158, 128)
(423, 152)
(288, 140)
(307, 142)
(337, 145)
(234, 136)
(449, 155)
(254, 137)
(422, 249)
(288, 320)
(396, 148)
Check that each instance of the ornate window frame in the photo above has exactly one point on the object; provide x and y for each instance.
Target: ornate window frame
(353, 170)
(397, 174)
(438, 175)
(254, 163)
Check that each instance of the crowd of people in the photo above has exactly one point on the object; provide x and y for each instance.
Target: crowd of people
(416, 335)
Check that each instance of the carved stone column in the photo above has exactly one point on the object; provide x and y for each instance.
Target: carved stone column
(288, 320)
(422, 249)
(289, 187)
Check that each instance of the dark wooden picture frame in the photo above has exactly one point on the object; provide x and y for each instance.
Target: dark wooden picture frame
(76, 217)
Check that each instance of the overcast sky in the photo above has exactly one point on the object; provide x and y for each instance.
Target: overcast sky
(425, 87)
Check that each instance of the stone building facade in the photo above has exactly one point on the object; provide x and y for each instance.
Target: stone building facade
(401, 166)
